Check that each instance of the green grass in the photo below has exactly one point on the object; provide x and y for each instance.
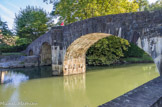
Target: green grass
(13, 53)
(145, 58)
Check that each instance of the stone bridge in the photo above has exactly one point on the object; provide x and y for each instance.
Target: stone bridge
(65, 46)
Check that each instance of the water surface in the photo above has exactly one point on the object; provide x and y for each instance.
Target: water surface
(99, 85)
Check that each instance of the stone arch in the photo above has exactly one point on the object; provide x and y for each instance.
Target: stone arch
(45, 54)
(74, 59)
(31, 52)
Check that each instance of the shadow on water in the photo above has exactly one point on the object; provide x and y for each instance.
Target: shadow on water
(19, 75)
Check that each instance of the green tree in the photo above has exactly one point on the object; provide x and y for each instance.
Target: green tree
(155, 6)
(31, 23)
(22, 41)
(6, 36)
(134, 51)
(75, 10)
(143, 4)
(5, 31)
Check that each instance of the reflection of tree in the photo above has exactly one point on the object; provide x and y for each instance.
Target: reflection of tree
(34, 72)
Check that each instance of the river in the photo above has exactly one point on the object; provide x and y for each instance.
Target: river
(37, 86)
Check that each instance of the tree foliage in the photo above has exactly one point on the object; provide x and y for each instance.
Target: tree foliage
(6, 36)
(70, 11)
(143, 4)
(22, 41)
(107, 51)
(155, 6)
(4, 30)
(31, 23)
(134, 51)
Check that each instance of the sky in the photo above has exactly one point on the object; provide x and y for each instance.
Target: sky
(8, 8)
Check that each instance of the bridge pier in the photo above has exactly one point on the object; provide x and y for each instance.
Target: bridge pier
(57, 69)
(57, 59)
(74, 65)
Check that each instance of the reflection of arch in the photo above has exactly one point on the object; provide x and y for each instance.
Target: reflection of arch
(45, 54)
(79, 81)
(30, 52)
(74, 60)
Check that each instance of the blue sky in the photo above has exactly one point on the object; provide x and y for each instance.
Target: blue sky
(8, 8)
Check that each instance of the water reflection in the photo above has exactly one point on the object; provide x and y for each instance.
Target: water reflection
(75, 82)
(16, 76)
(12, 77)
(73, 85)
(2, 74)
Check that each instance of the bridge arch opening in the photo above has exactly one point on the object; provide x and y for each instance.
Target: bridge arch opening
(45, 54)
(31, 52)
(75, 56)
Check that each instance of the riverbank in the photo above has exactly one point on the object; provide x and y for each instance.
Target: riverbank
(18, 61)
(144, 59)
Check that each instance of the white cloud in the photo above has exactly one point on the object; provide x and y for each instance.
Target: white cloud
(6, 10)
(8, 16)
(9, 21)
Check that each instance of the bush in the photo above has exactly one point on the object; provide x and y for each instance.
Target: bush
(21, 44)
(6, 48)
(106, 51)
(134, 51)
(22, 41)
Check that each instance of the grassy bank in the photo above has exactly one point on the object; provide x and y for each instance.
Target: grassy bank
(144, 59)
(13, 53)
(125, 61)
